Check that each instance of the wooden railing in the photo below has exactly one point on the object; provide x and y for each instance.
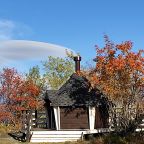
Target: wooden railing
(33, 119)
(27, 124)
(40, 120)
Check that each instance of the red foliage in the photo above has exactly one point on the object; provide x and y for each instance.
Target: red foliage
(16, 94)
(119, 72)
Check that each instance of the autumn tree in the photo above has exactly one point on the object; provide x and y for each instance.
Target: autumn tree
(119, 74)
(11, 82)
(16, 94)
(38, 80)
(57, 70)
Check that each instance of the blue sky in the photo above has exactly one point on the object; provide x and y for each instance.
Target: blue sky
(74, 24)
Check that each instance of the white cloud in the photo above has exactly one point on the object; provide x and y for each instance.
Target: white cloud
(23, 50)
(23, 54)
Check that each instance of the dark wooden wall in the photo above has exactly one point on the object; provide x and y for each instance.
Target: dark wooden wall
(101, 118)
(76, 118)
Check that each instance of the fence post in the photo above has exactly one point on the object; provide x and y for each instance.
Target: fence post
(28, 130)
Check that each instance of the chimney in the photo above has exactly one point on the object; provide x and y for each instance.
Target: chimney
(77, 60)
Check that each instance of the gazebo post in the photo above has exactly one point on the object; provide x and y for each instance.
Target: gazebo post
(57, 117)
(91, 117)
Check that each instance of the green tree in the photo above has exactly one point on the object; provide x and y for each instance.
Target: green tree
(57, 70)
(35, 76)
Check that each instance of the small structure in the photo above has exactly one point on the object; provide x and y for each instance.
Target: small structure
(73, 110)
(74, 106)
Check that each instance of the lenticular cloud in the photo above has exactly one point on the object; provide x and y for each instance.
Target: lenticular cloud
(17, 50)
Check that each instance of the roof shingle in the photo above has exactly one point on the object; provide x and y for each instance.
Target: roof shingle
(75, 92)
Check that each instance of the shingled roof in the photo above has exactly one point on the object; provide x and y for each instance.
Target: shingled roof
(75, 92)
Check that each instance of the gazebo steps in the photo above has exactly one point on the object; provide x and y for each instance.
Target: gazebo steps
(55, 136)
(62, 135)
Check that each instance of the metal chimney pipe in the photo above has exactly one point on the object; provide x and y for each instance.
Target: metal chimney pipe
(77, 60)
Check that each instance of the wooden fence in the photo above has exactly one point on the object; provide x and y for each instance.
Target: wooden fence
(36, 119)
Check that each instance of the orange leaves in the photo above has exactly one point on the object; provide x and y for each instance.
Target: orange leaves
(111, 52)
(119, 63)
(30, 88)
(124, 47)
(16, 93)
(99, 51)
(119, 72)
(94, 80)
(135, 61)
(4, 114)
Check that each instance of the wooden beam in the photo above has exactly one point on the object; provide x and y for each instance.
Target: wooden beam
(91, 117)
(57, 117)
